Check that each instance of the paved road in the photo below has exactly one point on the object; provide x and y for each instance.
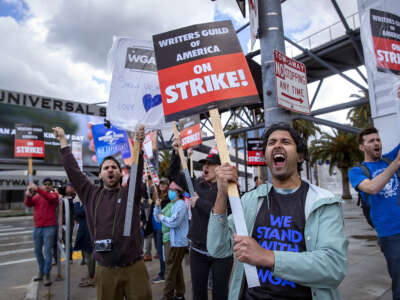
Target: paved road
(17, 258)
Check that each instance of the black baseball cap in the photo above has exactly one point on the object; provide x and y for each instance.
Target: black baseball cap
(212, 159)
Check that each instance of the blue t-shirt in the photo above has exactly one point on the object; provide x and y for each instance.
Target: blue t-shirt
(384, 206)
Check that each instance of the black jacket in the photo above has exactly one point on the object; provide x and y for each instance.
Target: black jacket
(201, 212)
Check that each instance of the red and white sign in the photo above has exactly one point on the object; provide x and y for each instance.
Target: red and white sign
(201, 67)
(148, 143)
(385, 28)
(29, 141)
(191, 136)
(255, 155)
(291, 84)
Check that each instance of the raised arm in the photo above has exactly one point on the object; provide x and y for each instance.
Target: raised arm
(82, 185)
(375, 185)
(175, 163)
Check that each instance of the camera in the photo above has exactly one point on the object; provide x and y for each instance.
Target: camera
(103, 245)
(62, 190)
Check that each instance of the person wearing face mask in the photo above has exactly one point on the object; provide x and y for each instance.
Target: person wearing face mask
(175, 225)
(201, 261)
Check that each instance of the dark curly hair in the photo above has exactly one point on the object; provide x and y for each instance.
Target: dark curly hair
(301, 145)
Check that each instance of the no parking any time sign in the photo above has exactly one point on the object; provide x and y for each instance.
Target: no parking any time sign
(291, 84)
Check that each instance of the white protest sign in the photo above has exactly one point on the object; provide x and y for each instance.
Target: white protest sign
(135, 96)
(291, 84)
(77, 153)
(253, 17)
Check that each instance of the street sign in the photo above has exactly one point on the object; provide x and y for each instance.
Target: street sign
(291, 84)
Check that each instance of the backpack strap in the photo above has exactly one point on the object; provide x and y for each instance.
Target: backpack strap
(367, 173)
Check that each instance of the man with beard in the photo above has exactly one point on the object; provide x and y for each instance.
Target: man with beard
(120, 270)
(296, 229)
(201, 262)
(381, 195)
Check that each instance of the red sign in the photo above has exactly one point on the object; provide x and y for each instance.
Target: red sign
(255, 154)
(202, 67)
(385, 29)
(191, 136)
(291, 84)
(27, 148)
(29, 141)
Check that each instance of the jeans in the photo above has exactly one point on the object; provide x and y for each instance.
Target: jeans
(159, 246)
(390, 246)
(200, 266)
(148, 244)
(43, 237)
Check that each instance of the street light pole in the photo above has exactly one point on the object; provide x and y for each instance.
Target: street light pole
(271, 37)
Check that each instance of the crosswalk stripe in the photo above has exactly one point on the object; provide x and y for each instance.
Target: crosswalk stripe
(19, 251)
(17, 261)
(5, 226)
(11, 229)
(16, 233)
(16, 244)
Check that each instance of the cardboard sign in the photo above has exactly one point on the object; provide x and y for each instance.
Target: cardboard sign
(108, 141)
(29, 141)
(254, 21)
(76, 149)
(255, 154)
(385, 28)
(291, 84)
(202, 67)
(150, 143)
(134, 93)
(191, 136)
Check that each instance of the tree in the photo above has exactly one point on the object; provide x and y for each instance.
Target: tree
(306, 129)
(341, 149)
(165, 158)
(360, 116)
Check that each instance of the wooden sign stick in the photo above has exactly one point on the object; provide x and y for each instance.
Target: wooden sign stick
(183, 161)
(30, 170)
(191, 165)
(131, 190)
(233, 193)
(149, 171)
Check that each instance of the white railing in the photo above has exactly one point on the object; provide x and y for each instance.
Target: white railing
(324, 35)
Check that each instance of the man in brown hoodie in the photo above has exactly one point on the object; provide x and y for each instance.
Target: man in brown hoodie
(120, 270)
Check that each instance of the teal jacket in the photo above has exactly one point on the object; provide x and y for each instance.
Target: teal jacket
(322, 267)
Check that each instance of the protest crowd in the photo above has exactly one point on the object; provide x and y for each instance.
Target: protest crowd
(283, 239)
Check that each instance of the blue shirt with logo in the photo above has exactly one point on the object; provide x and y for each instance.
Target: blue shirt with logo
(384, 206)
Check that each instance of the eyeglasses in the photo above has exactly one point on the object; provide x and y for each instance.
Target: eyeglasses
(47, 183)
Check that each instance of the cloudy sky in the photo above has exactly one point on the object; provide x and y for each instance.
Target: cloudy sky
(59, 48)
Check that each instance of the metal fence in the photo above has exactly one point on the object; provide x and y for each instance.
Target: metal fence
(61, 251)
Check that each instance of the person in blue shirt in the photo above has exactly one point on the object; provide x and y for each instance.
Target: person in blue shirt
(381, 192)
(175, 217)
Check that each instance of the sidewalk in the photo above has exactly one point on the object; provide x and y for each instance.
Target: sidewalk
(367, 277)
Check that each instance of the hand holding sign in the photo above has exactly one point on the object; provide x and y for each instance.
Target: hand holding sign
(201, 67)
